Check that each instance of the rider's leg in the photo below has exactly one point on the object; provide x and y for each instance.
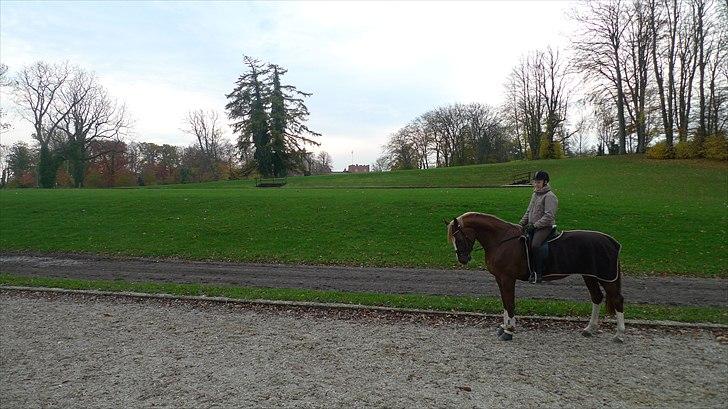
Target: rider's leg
(530, 259)
(538, 253)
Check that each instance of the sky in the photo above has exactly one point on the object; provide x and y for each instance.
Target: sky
(372, 66)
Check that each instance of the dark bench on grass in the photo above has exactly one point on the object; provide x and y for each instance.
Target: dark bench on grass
(522, 178)
(270, 182)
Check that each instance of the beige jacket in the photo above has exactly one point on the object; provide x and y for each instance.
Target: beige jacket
(542, 209)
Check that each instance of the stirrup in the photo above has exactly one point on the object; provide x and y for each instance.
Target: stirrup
(535, 278)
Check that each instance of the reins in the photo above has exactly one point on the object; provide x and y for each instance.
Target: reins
(509, 239)
(501, 242)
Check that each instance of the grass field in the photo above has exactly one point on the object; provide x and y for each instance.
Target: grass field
(670, 216)
(488, 305)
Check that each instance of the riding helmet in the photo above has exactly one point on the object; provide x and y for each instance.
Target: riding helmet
(542, 175)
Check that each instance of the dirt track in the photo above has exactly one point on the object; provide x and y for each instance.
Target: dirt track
(652, 290)
(81, 351)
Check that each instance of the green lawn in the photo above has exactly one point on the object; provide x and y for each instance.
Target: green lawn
(488, 305)
(670, 216)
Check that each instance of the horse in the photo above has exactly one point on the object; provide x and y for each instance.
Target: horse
(507, 259)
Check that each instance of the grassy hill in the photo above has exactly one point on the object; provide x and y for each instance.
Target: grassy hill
(670, 216)
(568, 173)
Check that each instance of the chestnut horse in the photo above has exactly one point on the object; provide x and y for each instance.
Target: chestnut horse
(505, 256)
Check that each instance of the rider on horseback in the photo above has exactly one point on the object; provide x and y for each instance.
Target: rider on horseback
(539, 221)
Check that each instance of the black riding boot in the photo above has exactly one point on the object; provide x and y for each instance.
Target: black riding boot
(539, 261)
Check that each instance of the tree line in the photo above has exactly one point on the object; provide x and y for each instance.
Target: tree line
(81, 133)
(458, 134)
(650, 74)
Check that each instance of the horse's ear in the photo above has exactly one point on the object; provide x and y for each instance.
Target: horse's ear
(455, 222)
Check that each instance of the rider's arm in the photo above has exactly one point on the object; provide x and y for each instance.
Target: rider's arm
(524, 219)
(551, 204)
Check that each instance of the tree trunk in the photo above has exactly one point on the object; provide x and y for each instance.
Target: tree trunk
(700, 37)
(620, 106)
(620, 116)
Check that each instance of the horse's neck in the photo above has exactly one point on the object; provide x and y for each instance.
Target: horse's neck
(490, 230)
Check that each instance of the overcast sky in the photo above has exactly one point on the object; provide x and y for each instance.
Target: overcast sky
(372, 66)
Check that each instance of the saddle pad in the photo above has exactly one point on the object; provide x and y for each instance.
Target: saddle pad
(583, 252)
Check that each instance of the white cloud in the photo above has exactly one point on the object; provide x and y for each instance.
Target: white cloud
(158, 109)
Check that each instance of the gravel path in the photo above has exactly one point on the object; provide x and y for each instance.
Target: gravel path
(650, 290)
(83, 351)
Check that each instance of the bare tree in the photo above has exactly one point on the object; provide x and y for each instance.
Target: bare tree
(527, 79)
(711, 43)
(382, 164)
(664, 24)
(513, 116)
(228, 154)
(421, 138)
(39, 88)
(717, 101)
(638, 45)
(702, 32)
(134, 158)
(203, 126)
(457, 134)
(686, 65)
(92, 116)
(538, 98)
(606, 126)
(4, 169)
(583, 127)
(324, 163)
(555, 96)
(5, 82)
(600, 50)
(402, 154)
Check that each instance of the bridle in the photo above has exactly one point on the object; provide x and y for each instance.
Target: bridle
(467, 240)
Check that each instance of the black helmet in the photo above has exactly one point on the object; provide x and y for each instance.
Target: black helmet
(542, 175)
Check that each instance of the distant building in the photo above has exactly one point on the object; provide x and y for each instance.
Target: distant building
(357, 169)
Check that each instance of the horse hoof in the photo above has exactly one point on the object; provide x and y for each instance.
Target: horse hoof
(499, 331)
(505, 336)
(587, 333)
(618, 339)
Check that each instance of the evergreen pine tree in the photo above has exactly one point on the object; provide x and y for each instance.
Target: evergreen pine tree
(288, 132)
(247, 106)
(281, 158)
(270, 116)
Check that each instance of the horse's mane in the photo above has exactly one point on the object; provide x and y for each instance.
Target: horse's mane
(465, 218)
(449, 232)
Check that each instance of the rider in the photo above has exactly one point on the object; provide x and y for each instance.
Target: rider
(539, 221)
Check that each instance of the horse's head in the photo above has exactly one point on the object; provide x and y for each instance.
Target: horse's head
(459, 238)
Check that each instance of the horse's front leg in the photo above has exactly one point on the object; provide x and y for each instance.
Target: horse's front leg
(507, 287)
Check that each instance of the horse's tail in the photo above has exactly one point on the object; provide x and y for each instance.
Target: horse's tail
(609, 304)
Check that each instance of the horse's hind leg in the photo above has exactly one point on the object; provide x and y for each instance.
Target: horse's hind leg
(615, 305)
(596, 297)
